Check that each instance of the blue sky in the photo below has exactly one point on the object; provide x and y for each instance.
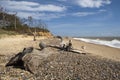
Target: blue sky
(71, 17)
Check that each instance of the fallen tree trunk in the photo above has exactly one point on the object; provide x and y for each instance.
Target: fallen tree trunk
(30, 59)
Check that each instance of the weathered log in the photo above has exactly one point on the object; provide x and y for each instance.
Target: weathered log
(17, 59)
(29, 59)
(59, 37)
(27, 50)
(33, 61)
(42, 45)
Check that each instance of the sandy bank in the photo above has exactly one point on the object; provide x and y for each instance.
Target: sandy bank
(13, 44)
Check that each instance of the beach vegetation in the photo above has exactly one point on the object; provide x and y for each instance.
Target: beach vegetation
(11, 23)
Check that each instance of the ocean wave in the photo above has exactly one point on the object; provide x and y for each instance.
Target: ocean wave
(113, 43)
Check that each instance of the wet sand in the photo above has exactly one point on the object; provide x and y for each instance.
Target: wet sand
(100, 50)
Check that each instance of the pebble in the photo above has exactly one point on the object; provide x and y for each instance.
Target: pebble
(67, 66)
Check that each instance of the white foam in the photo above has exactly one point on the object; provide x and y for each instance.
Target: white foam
(114, 43)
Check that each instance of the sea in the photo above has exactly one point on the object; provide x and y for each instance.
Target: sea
(108, 41)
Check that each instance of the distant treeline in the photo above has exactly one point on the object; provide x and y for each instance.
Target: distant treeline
(11, 22)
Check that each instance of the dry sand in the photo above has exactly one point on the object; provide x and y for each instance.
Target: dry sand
(13, 45)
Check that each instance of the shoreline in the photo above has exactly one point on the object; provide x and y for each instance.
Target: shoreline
(99, 50)
(115, 43)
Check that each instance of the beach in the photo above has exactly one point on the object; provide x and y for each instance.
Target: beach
(99, 62)
(100, 50)
(14, 44)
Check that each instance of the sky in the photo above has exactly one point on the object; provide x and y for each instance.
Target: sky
(71, 17)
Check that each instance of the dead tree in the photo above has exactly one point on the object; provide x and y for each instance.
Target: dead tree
(30, 20)
(3, 10)
(15, 22)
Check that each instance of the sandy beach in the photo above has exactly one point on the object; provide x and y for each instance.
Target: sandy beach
(14, 44)
(63, 65)
(100, 50)
(59, 40)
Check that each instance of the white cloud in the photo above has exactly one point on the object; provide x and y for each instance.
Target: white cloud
(21, 3)
(49, 11)
(51, 8)
(36, 10)
(92, 3)
(37, 16)
(88, 13)
(83, 13)
(89, 3)
(31, 6)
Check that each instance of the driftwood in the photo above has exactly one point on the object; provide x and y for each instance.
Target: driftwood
(17, 59)
(30, 59)
(59, 37)
(32, 62)
(42, 45)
